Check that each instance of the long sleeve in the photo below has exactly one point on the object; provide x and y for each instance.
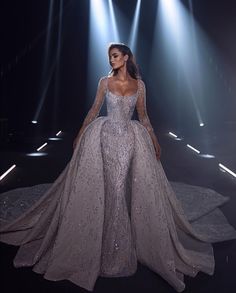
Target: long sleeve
(143, 116)
(96, 107)
(98, 102)
(141, 107)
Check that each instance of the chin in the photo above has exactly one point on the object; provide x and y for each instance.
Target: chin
(117, 67)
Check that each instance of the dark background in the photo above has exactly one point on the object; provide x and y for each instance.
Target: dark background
(23, 26)
(23, 35)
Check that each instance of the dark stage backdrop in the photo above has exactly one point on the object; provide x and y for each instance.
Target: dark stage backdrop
(23, 37)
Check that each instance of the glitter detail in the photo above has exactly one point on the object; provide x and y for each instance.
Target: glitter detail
(110, 207)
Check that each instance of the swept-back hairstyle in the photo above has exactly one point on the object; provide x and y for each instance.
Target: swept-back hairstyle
(130, 64)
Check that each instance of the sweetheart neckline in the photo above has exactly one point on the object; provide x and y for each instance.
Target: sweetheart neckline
(134, 94)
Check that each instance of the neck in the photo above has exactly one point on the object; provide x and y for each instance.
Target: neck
(123, 73)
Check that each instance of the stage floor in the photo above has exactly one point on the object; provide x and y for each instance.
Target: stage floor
(180, 164)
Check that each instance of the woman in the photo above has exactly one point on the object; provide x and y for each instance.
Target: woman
(112, 205)
(123, 80)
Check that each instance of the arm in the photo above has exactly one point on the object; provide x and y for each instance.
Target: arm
(95, 109)
(143, 117)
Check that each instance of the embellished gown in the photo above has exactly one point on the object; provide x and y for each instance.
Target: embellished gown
(113, 206)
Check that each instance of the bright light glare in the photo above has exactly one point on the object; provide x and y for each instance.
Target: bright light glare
(116, 37)
(42, 146)
(59, 132)
(100, 18)
(172, 134)
(55, 138)
(207, 156)
(170, 13)
(36, 154)
(134, 29)
(202, 124)
(227, 170)
(192, 148)
(34, 121)
(180, 42)
(99, 39)
(7, 172)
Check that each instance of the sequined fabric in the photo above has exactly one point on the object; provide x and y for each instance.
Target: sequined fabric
(111, 206)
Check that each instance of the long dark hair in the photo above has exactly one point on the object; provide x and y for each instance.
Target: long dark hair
(130, 64)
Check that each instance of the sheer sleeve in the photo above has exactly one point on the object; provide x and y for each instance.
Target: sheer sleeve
(98, 102)
(141, 107)
(96, 107)
(143, 116)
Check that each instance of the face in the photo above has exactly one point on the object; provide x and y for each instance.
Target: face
(117, 59)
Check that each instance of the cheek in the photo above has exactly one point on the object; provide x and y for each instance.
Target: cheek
(121, 59)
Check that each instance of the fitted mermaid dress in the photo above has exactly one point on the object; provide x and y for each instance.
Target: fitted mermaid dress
(111, 207)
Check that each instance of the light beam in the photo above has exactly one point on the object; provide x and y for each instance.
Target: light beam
(7, 172)
(134, 28)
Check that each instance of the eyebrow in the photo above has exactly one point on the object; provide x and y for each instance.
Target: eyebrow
(114, 53)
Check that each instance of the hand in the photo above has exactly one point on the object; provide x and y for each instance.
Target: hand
(157, 150)
(75, 143)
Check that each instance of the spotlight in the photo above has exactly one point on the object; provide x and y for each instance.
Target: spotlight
(207, 156)
(100, 18)
(54, 138)
(59, 132)
(172, 134)
(49, 64)
(179, 36)
(192, 148)
(202, 124)
(113, 22)
(134, 29)
(36, 154)
(100, 29)
(42, 146)
(34, 121)
(227, 170)
(7, 172)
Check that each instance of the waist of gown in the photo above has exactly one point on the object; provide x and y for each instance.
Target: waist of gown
(117, 125)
